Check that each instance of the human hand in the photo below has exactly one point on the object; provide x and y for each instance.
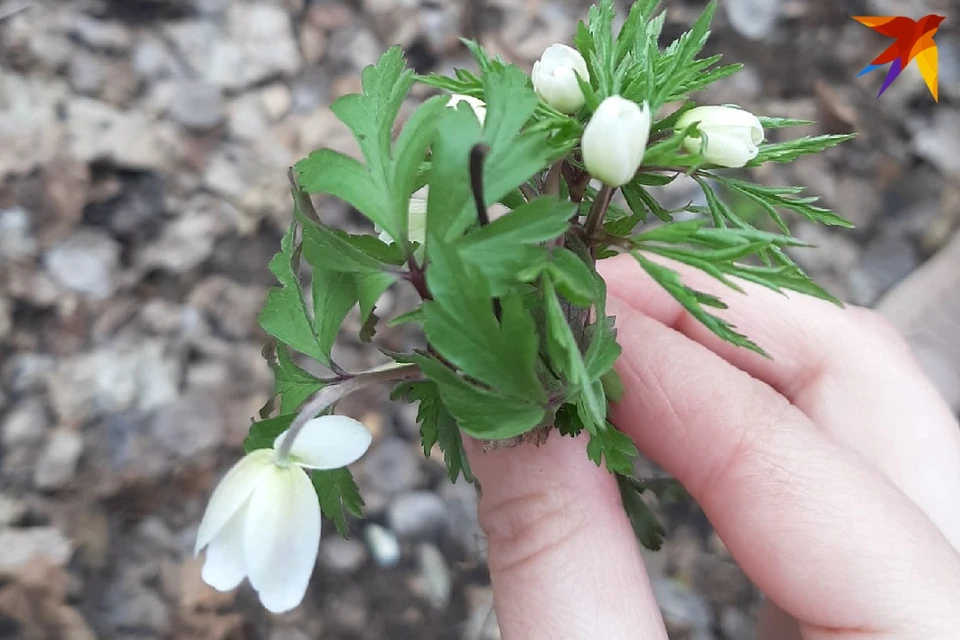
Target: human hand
(831, 472)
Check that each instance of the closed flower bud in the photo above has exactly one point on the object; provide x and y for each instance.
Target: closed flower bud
(615, 139)
(730, 137)
(479, 106)
(555, 77)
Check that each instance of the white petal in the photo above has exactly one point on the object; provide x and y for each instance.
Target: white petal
(281, 537)
(329, 442)
(728, 151)
(479, 106)
(224, 567)
(614, 141)
(231, 494)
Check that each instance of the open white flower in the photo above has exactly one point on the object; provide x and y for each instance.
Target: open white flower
(733, 136)
(479, 106)
(263, 520)
(555, 74)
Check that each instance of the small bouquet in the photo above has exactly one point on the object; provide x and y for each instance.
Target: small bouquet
(513, 309)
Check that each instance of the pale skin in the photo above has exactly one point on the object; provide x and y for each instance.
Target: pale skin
(831, 472)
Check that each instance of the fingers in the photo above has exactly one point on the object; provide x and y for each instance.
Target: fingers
(817, 529)
(844, 368)
(563, 558)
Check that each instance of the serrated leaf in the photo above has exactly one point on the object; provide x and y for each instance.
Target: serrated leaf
(572, 277)
(645, 524)
(328, 171)
(334, 294)
(780, 123)
(263, 433)
(479, 412)
(437, 426)
(414, 315)
(677, 65)
(694, 301)
(790, 150)
(415, 139)
(460, 324)
(509, 245)
(566, 356)
(284, 315)
(515, 155)
(291, 383)
(610, 446)
(339, 495)
(336, 250)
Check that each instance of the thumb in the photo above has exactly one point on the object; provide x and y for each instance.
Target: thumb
(564, 562)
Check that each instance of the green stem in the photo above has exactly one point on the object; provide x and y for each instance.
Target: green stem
(333, 393)
(597, 211)
(551, 183)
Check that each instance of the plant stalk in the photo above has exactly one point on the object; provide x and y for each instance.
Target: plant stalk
(597, 212)
(333, 393)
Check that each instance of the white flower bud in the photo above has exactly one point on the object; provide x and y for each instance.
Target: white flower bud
(615, 140)
(555, 77)
(479, 106)
(732, 135)
(263, 519)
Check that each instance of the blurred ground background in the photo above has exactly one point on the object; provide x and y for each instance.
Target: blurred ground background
(143, 148)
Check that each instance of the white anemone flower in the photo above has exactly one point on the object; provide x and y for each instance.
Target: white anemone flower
(263, 520)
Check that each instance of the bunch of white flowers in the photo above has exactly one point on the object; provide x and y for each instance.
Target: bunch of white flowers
(263, 520)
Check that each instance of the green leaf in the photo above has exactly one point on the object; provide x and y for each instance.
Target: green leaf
(566, 356)
(479, 412)
(789, 198)
(414, 315)
(381, 189)
(284, 315)
(572, 277)
(615, 448)
(515, 155)
(328, 171)
(645, 524)
(263, 433)
(339, 495)
(460, 324)
(411, 148)
(334, 294)
(780, 123)
(436, 426)
(694, 301)
(600, 25)
(512, 243)
(641, 201)
(335, 250)
(636, 30)
(370, 286)
(449, 210)
(792, 149)
(704, 77)
(567, 421)
(677, 65)
(291, 383)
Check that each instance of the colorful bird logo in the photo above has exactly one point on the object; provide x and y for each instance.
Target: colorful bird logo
(914, 39)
